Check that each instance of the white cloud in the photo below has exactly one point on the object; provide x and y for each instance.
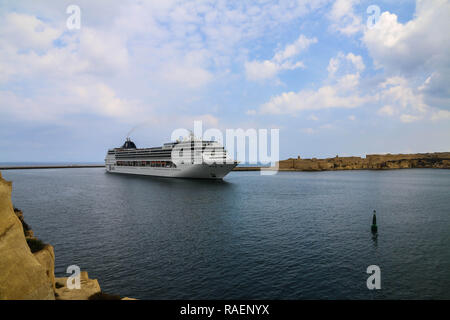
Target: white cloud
(164, 48)
(66, 78)
(94, 98)
(343, 17)
(440, 115)
(256, 70)
(102, 99)
(401, 99)
(342, 92)
(396, 97)
(324, 98)
(333, 66)
(155, 50)
(417, 49)
(408, 118)
(293, 49)
(386, 110)
(86, 52)
(104, 51)
(282, 60)
(25, 32)
(346, 64)
(417, 44)
(357, 61)
(174, 29)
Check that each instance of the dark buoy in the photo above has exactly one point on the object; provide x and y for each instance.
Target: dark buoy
(374, 227)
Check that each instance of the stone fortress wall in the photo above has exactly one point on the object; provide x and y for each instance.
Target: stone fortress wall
(439, 160)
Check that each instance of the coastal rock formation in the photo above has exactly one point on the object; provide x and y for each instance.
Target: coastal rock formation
(26, 228)
(46, 257)
(27, 265)
(439, 160)
(88, 287)
(89, 290)
(22, 276)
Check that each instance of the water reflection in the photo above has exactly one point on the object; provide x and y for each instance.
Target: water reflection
(375, 239)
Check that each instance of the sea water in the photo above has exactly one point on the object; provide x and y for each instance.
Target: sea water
(293, 235)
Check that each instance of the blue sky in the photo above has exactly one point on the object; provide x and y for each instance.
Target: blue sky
(313, 69)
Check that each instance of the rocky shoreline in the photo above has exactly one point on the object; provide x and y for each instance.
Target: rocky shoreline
(27, 265)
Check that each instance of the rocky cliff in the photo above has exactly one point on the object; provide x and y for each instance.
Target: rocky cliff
(440, 160)
(27, 265)
(22, 276)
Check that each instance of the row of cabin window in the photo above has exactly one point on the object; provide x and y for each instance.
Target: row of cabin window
(157, 164)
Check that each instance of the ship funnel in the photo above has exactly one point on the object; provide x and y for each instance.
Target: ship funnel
(129, 144)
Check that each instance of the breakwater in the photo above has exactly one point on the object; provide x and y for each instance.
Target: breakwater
(62, 166)
(247, 169)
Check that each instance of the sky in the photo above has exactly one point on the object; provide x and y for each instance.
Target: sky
(334, 77)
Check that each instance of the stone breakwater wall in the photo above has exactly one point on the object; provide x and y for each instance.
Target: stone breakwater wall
(438, 160)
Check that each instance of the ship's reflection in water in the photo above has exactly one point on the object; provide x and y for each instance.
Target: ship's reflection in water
(288, 236)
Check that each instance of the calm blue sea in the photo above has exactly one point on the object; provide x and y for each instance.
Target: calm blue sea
(298, 235)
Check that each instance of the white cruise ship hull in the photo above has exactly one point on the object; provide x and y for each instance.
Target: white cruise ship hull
(193, 171)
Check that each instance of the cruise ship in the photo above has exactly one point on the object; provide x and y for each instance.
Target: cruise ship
(190, 158)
